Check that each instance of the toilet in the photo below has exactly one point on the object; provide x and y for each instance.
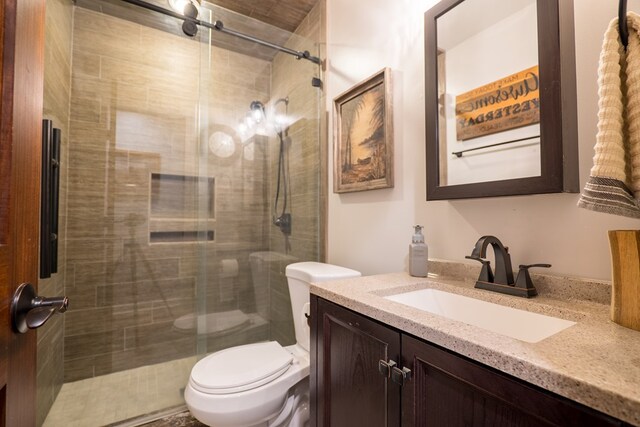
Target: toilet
(262, 384)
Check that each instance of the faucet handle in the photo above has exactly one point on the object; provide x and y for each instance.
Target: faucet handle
(486, 275)
(523, 281)
(535, 265)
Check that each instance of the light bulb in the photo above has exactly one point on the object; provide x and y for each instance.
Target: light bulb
(178, 5)
(257, 115)
(281, 119)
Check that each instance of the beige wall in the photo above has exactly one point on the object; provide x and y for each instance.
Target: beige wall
(370, 231)
(57, 90)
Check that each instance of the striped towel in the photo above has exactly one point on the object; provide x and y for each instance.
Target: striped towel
(614, 182)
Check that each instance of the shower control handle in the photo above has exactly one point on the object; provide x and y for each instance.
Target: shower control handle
(30, 311)
(284, 223)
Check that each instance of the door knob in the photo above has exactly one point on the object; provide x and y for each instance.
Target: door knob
(29, 311)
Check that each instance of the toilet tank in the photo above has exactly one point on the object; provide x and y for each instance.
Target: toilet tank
(299, 275)
(267, 274)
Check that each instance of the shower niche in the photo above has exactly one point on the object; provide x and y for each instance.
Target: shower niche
(178, 204)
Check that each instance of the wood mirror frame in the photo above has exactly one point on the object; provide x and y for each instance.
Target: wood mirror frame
(558, 111)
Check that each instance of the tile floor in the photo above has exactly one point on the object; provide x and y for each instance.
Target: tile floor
(183, 419)
(107, 399)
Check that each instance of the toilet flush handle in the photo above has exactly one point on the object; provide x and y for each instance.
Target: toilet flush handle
(306, 317)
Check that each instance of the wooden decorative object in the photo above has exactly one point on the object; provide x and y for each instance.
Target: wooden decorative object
(508, 103)
(363, 137)
(625, 269)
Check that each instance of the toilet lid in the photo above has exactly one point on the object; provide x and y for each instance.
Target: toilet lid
(240, 368)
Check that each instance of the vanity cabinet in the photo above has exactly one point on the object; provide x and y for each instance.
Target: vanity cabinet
(349, 388)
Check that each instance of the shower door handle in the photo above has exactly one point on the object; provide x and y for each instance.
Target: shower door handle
(29, 311)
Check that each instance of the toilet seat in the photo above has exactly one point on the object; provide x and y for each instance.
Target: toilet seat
(240, 368)
(252, 407)
(247, 387)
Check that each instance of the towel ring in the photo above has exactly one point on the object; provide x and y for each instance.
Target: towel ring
(622, 23)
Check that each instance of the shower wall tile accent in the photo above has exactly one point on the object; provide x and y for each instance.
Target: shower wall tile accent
(141, 101)
(57, 91)
(292, 78)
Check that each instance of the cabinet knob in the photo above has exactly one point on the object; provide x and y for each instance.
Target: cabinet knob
(385, 367)
(400, 376)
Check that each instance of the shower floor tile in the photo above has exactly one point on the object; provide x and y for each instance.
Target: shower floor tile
(107, 399)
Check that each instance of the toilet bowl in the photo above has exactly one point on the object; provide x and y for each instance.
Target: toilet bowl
(262, 384)
(219, 323)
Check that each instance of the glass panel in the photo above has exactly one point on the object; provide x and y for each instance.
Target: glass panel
(260, 143)
(489, 105)
(133, 116)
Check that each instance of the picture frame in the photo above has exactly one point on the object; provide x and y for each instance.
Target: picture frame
(363, 135)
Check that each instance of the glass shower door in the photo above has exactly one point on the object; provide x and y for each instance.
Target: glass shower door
(130, 235)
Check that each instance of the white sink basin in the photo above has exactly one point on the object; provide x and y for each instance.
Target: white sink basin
(514, 323)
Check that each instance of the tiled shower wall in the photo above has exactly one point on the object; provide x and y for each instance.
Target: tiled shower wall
(135, 112)
(56, 107)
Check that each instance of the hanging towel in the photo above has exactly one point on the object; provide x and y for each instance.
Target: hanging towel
(614, 182)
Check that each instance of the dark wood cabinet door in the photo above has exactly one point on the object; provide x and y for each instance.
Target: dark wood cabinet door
(350, 391)
(449, 390)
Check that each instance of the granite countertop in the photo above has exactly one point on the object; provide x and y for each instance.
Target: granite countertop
(595, 362)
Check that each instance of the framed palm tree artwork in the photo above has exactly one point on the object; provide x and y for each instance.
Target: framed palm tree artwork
(363, 136)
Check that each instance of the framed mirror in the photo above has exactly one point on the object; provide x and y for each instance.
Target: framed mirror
(500, 98)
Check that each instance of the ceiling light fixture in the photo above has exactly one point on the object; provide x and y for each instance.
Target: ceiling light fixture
(257, 111)
(188, 8)
(179, 5)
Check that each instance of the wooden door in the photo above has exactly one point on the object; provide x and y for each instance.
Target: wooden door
(350, 389)
(449, 390)
(21, 85)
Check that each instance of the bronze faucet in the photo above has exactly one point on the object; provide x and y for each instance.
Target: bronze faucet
(502, 280)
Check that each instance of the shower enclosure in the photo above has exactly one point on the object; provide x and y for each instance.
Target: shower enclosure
(170, 186)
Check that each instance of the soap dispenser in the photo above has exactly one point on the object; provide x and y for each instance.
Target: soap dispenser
(418, 254)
